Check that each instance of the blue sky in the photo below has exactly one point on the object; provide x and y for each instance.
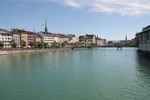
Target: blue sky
(109, 19)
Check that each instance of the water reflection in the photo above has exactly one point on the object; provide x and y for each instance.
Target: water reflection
(143, 70)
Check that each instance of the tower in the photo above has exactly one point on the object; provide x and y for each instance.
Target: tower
(126, 38)
(46, 29)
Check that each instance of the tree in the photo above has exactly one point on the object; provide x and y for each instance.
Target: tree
(13, 43)
(32, 44)
(1, 44)
(45, 44)
(63, 44)
(23, 43)
(40, 44)
(54, 44)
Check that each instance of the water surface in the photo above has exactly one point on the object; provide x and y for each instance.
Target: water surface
(91, 74)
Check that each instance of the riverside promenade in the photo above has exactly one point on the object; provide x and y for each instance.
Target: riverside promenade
(31, 50)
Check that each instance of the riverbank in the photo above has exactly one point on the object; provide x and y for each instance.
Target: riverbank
(32, 50)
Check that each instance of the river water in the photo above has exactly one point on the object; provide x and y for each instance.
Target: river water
(90, 74)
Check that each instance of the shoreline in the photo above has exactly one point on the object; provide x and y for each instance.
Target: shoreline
(32, 50)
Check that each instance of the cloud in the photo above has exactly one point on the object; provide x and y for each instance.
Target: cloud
(122, 7)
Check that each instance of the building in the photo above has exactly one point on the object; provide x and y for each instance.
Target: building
(72, 38)
(144, 39)
(92, 39)
(46, 37)
(5, 37)
(23, 36)
(100, 42)
(16, 36)
(61, 38)
(38, 38)
(87, 38)
(31, 37)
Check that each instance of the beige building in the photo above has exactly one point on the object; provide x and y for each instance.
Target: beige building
(24, 37)
(87, 38)
(72, 38)
(92, 39)
(5, 37)
(100, 42)
(38, 38)
(62, 38)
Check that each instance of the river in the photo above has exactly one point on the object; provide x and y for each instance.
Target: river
(90, 74)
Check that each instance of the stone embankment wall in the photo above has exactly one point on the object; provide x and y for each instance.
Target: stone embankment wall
(17, 51)
(6, 52)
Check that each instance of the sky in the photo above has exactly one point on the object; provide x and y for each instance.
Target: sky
(109, 19)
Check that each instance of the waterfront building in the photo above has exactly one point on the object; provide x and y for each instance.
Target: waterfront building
(144, 39)
(16, 36)
(72, 38)
(5, 37)
(30, 37)
(100, 42)
(46, 37)
(62, 38)
(24, 36)
(92, 39)
(38, 38)
(87, 38)
(27, 36)
(110, 43)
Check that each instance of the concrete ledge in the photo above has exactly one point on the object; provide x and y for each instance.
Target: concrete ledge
(6, 52)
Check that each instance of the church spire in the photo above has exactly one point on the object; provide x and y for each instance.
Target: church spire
(46, 29)
(126, 38)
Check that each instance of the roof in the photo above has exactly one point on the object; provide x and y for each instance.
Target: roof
(3, 31)
(146, 28)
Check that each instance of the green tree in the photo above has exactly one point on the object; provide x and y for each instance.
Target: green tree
(63, 44)
(58, 44)
(23, 43)
(54, 44)
(13, 43)
(1, 44)
(32, 44)
(40, 44)
(45, 44)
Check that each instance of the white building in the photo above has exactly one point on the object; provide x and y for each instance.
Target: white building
(72, 38)
(5, 37)
(16, 36)
(100, 42)
(46, 37)
(62, 38)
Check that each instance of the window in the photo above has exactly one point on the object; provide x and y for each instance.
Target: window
(149, 35)
(144, 36)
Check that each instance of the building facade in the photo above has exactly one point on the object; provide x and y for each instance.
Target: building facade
(38, 38)
(16, 36)
(144, 39)
(92, 39)
(31, 37)
(46, 37)
(5, 37)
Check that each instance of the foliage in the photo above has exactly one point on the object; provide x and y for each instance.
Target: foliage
(32, 44)
(13, 43)
(45, 44)
(40, 44)
(23, 43)
(56, 44)
(63, 44)
(1, 44)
